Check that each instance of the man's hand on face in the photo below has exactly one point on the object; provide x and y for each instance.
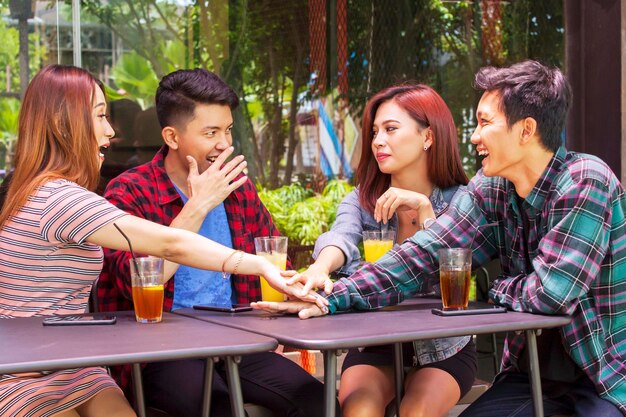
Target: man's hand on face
(211, 188)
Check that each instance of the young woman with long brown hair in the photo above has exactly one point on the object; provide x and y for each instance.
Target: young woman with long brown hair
(53, 229)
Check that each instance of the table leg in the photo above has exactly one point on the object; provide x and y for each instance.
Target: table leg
(535, 377)
(234, 385)
(330, 381)
(398, 367)
(208, 385)
(138, 387)
(496, 360)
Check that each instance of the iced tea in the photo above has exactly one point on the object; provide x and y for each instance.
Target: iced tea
(147, 282)
(455, 287)
(455, 267)
(148, 303)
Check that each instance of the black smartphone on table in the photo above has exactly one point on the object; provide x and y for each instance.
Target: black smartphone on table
(477, 308)
(80, 320)
(236, 308)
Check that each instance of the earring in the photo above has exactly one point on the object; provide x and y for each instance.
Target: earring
(425, 148)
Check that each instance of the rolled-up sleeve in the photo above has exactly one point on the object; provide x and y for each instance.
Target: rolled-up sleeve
(347, 231)
(400, 272)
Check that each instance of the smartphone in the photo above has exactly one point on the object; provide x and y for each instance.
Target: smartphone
(80, 320)
(482, 308)
(236, 308)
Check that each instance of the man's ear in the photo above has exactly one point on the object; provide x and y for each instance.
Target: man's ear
(170, 136)
(529, 128)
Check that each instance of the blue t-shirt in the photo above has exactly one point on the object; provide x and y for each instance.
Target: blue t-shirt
(198, 286)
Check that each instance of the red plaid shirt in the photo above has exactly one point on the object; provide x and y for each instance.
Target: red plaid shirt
(146, 191)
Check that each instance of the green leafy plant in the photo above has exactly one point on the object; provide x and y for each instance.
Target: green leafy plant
(135, 76)
(9, 112)
(302, 215)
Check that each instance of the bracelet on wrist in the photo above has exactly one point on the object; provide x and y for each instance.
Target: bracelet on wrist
(236, 264)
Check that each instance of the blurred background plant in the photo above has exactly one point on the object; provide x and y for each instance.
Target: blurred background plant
(10, 81)
(9, 112)
(302, 215)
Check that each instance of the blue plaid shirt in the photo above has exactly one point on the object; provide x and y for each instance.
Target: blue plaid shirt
(562, 251)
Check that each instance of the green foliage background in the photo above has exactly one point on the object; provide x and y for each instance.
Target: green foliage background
(10, 79)
(302, 215)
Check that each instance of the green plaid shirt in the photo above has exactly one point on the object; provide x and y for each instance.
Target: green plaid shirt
(562, 251)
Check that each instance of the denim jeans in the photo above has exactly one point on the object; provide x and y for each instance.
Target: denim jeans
(510, 396)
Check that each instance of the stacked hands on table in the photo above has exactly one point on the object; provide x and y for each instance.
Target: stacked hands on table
(299, 289)
(299, 286)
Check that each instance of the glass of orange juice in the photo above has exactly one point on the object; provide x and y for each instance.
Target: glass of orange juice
(376, 243)
(274, 249)
(147, 282)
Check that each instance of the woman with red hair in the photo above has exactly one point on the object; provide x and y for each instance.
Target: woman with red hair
(410, 168)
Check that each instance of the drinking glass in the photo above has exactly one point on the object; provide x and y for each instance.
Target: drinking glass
(376, 243)
(455, 268)
(274, 249)
(147, 283)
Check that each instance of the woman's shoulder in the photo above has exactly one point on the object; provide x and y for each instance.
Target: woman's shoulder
(352, 197)
(64, 192)
(59, 184)
(446, 194)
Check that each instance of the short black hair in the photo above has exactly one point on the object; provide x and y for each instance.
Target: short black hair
(180, 91)
(530, 89)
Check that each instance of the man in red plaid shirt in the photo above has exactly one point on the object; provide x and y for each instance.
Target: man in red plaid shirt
(189, 185)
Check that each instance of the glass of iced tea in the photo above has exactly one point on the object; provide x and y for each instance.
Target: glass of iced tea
(147, 282)
(274, 249)
(377, 243)
(455, 268)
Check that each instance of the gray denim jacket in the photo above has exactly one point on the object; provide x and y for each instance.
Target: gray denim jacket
(346, 234)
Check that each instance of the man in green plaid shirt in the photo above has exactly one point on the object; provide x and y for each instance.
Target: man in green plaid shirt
(555, 219)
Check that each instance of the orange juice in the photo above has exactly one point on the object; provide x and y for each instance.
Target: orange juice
(374, 249)
(267, 292)
(148, 303)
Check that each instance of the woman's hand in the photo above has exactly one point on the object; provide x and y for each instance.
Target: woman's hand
(314, 277)
(276, 280)
(302, 308)
(398, 199)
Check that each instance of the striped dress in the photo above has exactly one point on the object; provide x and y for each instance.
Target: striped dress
(47, 267)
